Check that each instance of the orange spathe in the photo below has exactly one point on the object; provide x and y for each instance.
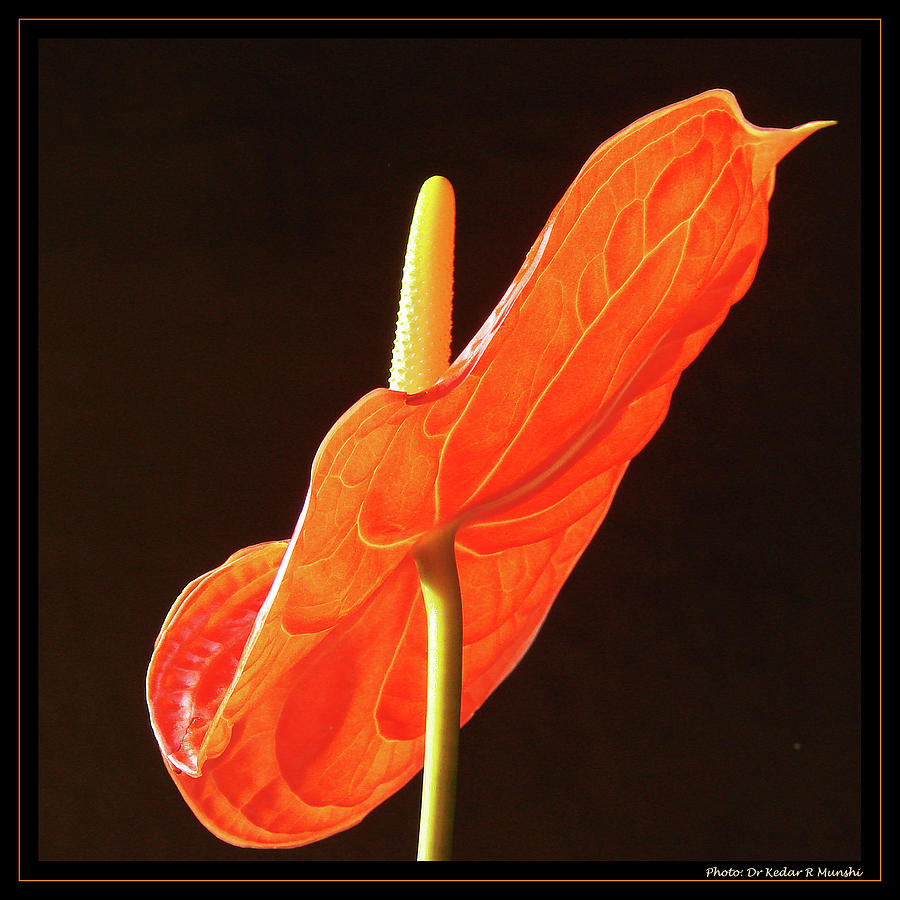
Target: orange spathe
(287, 687)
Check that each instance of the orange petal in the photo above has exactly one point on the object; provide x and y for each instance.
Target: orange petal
(522, 444)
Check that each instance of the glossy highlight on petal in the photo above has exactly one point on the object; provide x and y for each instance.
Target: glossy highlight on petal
(287, 687)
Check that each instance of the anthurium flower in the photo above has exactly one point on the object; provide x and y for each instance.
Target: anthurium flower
(287, 686)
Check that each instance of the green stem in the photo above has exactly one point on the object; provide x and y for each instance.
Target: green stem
(436, 562)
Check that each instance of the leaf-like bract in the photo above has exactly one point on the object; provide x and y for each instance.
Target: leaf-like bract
(287, 687)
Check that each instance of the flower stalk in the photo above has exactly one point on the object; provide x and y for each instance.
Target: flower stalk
(436, 562)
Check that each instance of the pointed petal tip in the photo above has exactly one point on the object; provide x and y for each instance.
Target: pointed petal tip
(788, 138)
(775, 144)
(810, 127)
(795, 136)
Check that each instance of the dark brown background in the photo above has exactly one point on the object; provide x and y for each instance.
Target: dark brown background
(222, 218)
